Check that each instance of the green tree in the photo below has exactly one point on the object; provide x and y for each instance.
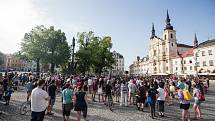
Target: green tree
(46, 45)
(58, 50)
(94, 53)
(33, 45)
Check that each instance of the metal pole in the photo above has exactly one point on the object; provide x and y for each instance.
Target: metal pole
(73, 56)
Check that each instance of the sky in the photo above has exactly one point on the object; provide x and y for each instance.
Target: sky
(128, 22)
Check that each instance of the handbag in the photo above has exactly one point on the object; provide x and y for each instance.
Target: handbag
(201, 97)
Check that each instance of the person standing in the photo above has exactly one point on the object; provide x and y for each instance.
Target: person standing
(184, 104)
(197, 102)
(100, 91)
(124, 94)
(90, 83)
(142, 96)
(67, 106)
(52, 94)
(152, 92)
(29, 87)
(161, 99)
(39, 99)
(132, 91)
(80, 103)
(117, 90)
(8, 94)
(95, 88)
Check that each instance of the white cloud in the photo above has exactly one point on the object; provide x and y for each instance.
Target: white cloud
(16, 18)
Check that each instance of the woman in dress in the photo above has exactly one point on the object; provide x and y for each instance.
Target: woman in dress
(80, 103)
(100, 91)
(117, 90)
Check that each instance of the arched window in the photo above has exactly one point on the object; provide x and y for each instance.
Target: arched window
(164, 37)
(171, 35)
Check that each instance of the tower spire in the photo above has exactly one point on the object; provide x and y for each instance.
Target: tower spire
(153, 31)
(195, 42)
(168, 24)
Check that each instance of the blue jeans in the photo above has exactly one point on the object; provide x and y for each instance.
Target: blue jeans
(37, 116)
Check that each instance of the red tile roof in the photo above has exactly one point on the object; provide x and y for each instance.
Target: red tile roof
(184, 45)
(187, 53)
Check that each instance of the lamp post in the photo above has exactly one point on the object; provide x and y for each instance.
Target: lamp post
(73, 55)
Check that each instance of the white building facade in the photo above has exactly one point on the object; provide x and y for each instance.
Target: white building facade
(118, 67)
(167, 56)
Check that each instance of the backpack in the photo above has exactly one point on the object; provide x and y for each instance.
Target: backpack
(187, 95)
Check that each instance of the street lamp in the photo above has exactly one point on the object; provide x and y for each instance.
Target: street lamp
(71, 65)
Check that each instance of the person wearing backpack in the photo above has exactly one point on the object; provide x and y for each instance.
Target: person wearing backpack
(184, 104)
(198, 98)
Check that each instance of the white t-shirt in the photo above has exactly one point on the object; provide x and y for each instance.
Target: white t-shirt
(131, 87)
(161, 94)
(38, 102)
(90, 82)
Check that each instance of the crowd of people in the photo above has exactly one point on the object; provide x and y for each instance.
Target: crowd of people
(77, 91)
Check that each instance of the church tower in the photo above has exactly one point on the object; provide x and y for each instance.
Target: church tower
(169, 37)
(195, 42)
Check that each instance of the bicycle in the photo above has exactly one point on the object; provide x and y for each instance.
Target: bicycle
(25, 108)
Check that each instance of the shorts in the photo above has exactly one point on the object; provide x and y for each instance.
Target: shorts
(67, 109)
(141, 99)
(52, 101)
(132, 94)
(185, 106)
(197, 102)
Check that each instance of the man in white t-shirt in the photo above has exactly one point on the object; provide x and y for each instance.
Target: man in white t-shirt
(161, 99)
(39, 102)
(90, 84)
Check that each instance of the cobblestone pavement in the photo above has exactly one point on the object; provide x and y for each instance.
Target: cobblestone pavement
(99, 112)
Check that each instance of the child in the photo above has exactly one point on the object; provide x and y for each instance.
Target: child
(8, 94)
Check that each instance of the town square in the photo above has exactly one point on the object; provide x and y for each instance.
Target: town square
(99, 60)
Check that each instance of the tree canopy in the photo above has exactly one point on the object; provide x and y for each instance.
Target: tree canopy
(47, 45)
(94, 53)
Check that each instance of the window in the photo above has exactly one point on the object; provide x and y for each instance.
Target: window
(210, 52)
(203, 53)
(184, 61)
(172, 44)
(185, 68)
(191, 68)
(211, 63)
(197, 54)
(171, 35)
(164, 37)
(155, 69)
(167, 68)
(197, 64)
(166, 61)
(176, 68)
(190, 61)
(204, 63)
(164, 53)
(154, 52)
